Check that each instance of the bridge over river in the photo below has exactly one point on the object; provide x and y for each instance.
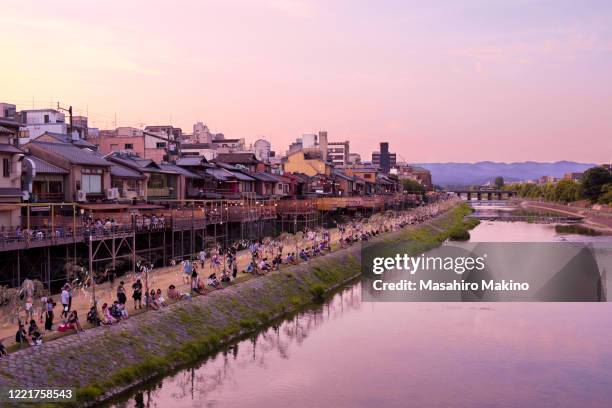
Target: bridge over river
(485, 194)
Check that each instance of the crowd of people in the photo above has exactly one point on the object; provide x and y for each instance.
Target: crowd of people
(211, 269)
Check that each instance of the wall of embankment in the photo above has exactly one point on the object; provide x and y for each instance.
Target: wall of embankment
(105, 361)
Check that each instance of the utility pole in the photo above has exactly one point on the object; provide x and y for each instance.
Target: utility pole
(69, 110)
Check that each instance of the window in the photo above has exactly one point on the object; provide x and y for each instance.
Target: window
(367, 175)
(114, 147)
(160, 145)
(46, 118)
(129, 146)
(6, 167)
(92, 183)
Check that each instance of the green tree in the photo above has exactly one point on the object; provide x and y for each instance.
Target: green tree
(606, 194)
(499, 182)
(593, 181)
(566, 191)
(413, 186)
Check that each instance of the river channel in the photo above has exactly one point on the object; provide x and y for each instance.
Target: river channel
(349, 353)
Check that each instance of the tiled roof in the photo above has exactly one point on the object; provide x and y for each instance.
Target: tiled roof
(241, 176)
(125, 172)
(261, 176)
(72, 153)
(342, 175)
(179, 170)
(220, 174)
(7, 148)
(191, 161)
(64, 138)
(241, 158)
(45, 167)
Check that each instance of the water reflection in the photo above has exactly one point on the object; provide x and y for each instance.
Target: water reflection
(351, 354)
(200, 383)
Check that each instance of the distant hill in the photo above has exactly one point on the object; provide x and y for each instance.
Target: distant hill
(464, 174)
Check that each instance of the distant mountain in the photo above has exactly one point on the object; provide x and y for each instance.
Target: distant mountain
(464, 174)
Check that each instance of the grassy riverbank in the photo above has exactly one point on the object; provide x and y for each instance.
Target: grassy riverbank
(105, 361)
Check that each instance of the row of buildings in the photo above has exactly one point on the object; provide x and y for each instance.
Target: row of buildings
(48, 160)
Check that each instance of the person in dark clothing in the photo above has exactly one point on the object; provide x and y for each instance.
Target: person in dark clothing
(21, 335)
(49, 314)
(137, 295)
(121, 297)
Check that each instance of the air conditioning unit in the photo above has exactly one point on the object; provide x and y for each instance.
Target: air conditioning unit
(112, 193)
(81, 196)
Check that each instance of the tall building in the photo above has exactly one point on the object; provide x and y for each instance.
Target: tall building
(383, 158)
(201, 133)
(309, 140)
(262, 149)
(338, 152)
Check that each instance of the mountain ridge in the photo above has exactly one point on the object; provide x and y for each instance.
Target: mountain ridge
(463, 173)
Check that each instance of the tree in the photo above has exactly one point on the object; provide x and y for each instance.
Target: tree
(413, 186)
(593, 181)
(606, 194)
(499, 182)
(566, 191)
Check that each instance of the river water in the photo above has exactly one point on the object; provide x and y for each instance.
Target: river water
(349, 353)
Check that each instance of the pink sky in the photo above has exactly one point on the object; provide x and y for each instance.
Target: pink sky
(441, 81)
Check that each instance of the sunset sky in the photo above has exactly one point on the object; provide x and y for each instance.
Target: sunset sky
(456, 80)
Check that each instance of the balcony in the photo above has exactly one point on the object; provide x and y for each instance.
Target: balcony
(161, 192)
(47, 197)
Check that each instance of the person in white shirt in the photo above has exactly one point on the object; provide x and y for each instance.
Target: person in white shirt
(65, 299)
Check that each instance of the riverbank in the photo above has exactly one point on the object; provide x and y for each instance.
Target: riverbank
(599, 221)
(105, 361)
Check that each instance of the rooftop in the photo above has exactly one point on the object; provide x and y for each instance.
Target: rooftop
(44, 167)
(71, 153)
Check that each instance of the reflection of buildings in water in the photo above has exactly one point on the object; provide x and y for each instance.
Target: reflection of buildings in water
(211, 374)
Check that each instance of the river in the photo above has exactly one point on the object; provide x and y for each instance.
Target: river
(349, 353)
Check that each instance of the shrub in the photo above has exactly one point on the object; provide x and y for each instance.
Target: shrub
(317, 291)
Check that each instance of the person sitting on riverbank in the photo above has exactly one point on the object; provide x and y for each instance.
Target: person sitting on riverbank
(263, 266)
(34, 335)
(150, 300)
(173, 293)
(303, 255)
(160, 299)
(93, 318)
(213, 281)
(21, 336)
(277, 261)
(107, 315)
(73, 321)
